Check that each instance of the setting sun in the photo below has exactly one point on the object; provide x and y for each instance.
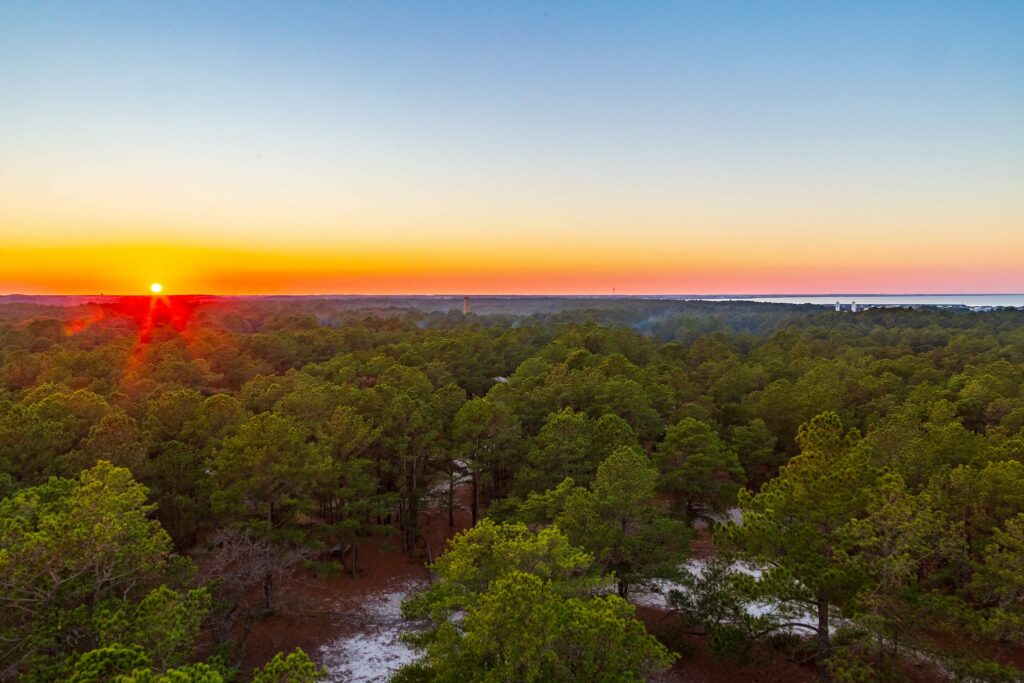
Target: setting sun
(156, 288)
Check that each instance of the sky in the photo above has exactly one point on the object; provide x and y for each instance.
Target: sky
(515, 147)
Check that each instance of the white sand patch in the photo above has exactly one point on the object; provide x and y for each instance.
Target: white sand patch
(374, 652)
(657, 597)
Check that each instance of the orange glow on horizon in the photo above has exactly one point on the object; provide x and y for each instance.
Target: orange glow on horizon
(510, 268)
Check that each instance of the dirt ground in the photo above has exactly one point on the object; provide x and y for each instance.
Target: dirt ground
(319, 610)
(698, 664)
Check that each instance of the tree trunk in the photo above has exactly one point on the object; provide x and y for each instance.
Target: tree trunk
(268, 592)
(402, 519)
(355, 557)
(451, 500)
(411, 532)
(413, 527)
(223, 625)
(824, 643)
(623, 586)
(476, 497)
(880, 658)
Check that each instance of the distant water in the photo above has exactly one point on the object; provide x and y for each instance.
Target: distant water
(972, 300)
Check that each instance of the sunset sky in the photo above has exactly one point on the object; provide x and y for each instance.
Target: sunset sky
(480, 147)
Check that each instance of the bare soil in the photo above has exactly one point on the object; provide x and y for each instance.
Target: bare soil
(320, 609)
(317, 610)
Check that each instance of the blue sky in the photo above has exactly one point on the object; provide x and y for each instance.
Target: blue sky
(368, 126)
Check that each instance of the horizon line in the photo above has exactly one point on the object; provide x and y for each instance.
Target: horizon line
(743, 295)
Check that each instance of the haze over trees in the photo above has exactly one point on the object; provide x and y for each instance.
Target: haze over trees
(163, 479)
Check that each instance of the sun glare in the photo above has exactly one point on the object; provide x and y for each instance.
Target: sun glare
(156, 288)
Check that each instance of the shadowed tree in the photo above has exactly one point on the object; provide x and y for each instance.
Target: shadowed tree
(486, 433)
(508, 604)
(698, 467)
(623, 524)
(266, 472)
(797, 525)
(72, 551)
(267, 475)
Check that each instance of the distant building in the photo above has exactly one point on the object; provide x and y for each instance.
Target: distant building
(853, 307)
(465, 305)
(838, 307)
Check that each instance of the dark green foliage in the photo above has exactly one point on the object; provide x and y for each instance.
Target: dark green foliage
(512, 605)
(796, 525)
(622, 523)
(287, 427)
(81, 566)
(699, 468)
(266, 472)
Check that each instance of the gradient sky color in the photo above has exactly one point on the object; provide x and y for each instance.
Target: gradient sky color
(480, 147)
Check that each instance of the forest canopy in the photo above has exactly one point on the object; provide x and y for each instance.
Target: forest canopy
(166, 466)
